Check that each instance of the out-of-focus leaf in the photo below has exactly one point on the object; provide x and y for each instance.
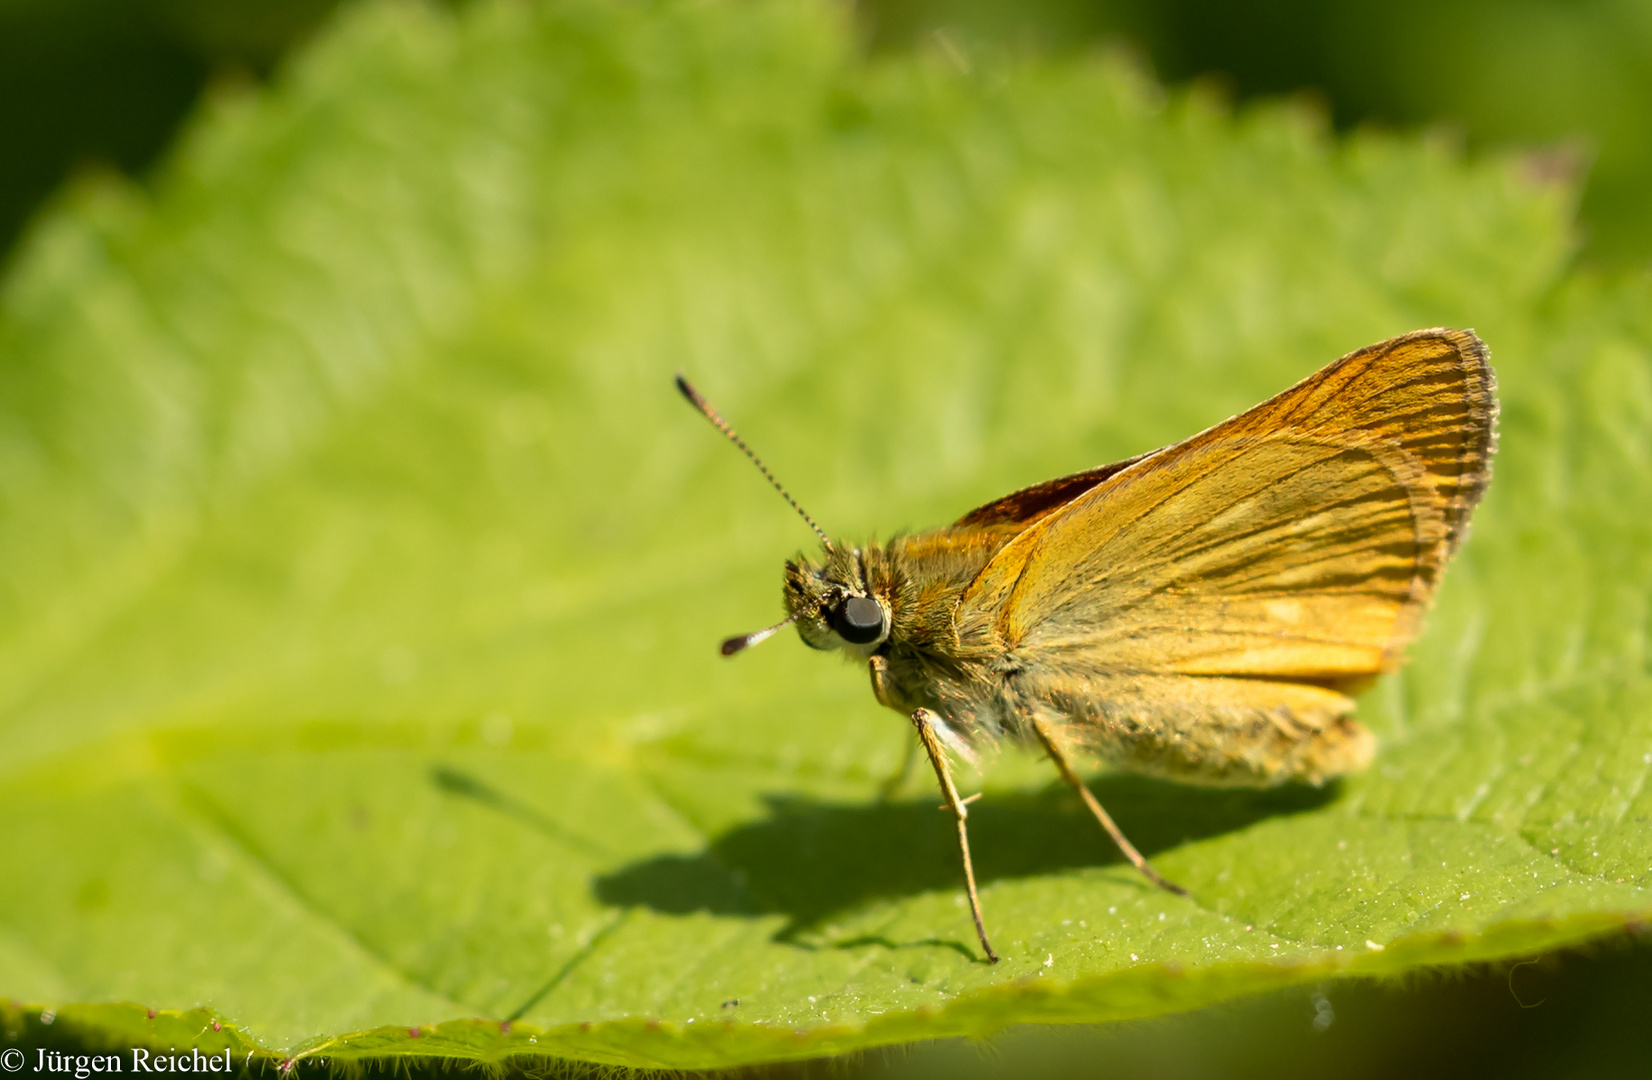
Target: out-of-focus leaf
(361, 573)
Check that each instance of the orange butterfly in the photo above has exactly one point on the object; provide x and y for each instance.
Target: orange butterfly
(1200, 613)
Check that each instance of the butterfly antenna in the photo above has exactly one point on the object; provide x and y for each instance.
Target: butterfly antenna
(694, 399)
(741, 642)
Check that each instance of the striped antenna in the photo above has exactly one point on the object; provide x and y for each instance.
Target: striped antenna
(741, 642)
(694, 399)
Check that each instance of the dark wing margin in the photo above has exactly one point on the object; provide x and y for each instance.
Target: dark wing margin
(1031, 503)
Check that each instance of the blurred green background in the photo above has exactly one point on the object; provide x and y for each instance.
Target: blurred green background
(100, 82)
(90, 84)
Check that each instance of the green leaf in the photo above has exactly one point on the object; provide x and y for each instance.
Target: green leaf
(361, 573)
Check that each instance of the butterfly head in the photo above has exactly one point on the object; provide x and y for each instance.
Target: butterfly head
(828, 600)
(831, 604)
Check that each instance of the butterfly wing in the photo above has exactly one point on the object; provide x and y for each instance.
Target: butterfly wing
(1266, 563)
(1026, 506)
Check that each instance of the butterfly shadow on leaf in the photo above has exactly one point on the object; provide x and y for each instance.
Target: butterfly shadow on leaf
(811, 859)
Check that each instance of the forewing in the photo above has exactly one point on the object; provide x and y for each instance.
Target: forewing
(1298, 541)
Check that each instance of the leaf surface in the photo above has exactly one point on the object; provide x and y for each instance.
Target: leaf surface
(361, 573)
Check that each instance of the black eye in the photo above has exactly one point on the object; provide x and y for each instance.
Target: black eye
(859, 621)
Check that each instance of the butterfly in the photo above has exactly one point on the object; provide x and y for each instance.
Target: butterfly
(1203, 613)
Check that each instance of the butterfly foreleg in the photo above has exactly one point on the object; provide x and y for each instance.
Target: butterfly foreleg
(924, 721)
(897, 780)
(1137, 859)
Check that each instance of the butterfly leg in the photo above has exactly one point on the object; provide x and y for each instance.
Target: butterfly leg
(897, 780)
(1137, 859)
(924, 721)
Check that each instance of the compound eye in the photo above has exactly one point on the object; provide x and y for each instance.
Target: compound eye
(859, 621)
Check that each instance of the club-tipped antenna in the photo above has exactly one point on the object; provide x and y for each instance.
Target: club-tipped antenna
(742, 642)
(694, 399)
